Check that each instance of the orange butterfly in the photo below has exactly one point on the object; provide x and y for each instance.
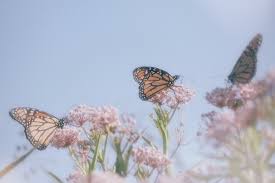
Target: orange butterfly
(152, 80)
(40, 126)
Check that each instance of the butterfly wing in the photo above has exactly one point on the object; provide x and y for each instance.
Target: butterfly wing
(141, 73)
(153, 82)
(39, 126)
(245, 68)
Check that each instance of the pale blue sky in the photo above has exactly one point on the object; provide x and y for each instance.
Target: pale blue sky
(58, 53)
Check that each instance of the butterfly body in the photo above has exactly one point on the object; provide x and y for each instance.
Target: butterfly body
(40, 126)
(152, 80)
(246, 66)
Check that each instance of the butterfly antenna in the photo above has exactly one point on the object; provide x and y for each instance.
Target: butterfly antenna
(67, 122)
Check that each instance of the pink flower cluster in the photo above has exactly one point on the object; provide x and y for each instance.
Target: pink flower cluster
(75, 177)
(150, 157)
(65, 137)
(236, 95)
(174, 97)
(102, 119)
(95, 177)
(127, 127)
(80, 114)
(82, 149)
(220, 125)
(256, 102)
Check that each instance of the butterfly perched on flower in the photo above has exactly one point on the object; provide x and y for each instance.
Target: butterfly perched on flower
(152, 80)
(40, 126)
(245, 68)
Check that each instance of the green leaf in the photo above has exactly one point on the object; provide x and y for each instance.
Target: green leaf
(142, 174)
(94, 160)
(120, 165)
(12, 165)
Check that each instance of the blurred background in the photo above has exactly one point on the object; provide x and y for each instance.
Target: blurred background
(58, 53)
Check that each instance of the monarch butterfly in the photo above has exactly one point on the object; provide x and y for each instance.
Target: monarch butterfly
(152, 80)
(40, 126)
(245, 68)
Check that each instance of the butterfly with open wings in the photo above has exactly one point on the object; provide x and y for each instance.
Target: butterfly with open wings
(152, 80)
(40, 126)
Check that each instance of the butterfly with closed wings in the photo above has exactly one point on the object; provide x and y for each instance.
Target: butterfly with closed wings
(40, 126)
(245, 68)
(152, 80)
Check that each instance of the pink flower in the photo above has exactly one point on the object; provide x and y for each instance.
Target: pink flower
(246, 115)
(224, 97)
(75, 177)
(150, 157)
(127, 127)
(253, 90)
(236, 95)
(80, 114)
(81, 150)
(96, 177)
(174, 97)
(104, 119)
(65, 137)
(220, 125)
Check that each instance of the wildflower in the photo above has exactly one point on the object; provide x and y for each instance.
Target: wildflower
(75, 177)
(236, 95)
(81, 149)
(150, 157)
(182, 96)
(104, 119)
(246, 115)
(127, 127)
(80, 114)
(225, 97)
(219, 125)
(65, 137)
(174, 97)
(250, 91)
(127, 124)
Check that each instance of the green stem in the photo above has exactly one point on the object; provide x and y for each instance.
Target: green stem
(164, 135)
(78, 164)
(173, 113)
(92, 166)
(104, 151)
